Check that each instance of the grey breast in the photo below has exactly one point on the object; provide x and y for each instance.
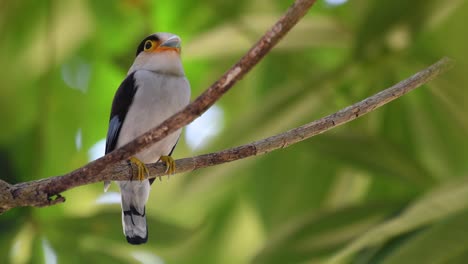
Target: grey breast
(158, 97)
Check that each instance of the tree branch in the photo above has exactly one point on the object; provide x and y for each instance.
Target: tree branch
(14, 196)
(34, 193)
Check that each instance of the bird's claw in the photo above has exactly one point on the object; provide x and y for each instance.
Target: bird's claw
(170, 165)
(143, 171)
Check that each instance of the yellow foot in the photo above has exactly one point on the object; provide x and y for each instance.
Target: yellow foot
(142, 169)
(170, 165)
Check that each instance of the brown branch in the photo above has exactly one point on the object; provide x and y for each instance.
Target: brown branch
(91, 172)
(33, 193)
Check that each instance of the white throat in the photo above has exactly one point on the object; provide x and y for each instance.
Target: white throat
(167, 62)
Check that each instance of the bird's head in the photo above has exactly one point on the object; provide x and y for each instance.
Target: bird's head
(159, 52)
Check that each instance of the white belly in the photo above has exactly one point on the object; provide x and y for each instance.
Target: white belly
(157, 98)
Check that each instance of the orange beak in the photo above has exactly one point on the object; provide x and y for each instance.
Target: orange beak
(173, 43)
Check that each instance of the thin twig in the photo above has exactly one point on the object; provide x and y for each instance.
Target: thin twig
(29, 193)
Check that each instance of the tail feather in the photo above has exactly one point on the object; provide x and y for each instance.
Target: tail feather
(135, 226)
(134, 198)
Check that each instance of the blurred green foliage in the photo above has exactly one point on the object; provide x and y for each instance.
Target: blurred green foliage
(391, 187)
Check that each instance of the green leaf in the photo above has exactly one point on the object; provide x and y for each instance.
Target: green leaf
(374, 155)
(435, 205)
(449, 237)
(316, 235)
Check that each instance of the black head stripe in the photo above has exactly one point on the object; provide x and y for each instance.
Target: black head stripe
(141, 47)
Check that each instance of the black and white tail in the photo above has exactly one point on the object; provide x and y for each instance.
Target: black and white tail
(134, 197)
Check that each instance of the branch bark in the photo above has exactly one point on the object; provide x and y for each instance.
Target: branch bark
(35, 193)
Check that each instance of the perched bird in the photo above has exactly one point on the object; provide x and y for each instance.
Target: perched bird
(155, 88)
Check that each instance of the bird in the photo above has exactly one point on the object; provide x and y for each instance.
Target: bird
(154, 89)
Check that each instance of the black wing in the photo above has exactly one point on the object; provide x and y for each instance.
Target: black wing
(122, 100)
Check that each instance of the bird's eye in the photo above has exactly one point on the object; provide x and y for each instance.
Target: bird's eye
(148, 45)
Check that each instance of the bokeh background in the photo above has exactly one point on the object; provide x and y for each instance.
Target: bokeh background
(391, 187)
